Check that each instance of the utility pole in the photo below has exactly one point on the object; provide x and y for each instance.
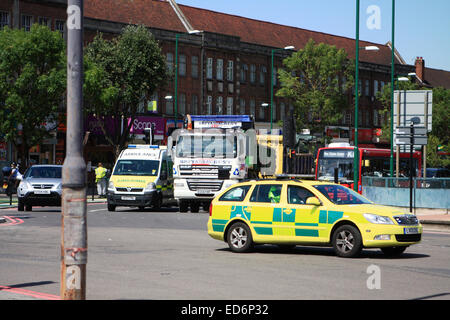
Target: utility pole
(73, 225)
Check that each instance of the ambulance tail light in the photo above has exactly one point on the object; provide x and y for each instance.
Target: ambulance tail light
(210, 209)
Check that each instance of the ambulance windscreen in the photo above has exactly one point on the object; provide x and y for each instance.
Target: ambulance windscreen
(136, 168)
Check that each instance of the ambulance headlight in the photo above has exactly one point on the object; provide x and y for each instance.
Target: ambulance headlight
(374, 218)
(150, 187)
(111, 186)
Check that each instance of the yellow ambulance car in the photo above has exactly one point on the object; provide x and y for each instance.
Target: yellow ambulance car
(294, 212)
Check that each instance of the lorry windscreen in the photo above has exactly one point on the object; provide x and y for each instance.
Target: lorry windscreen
(219, 146)
(136, 167)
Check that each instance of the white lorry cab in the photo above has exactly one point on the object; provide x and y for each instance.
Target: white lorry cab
(142, 177)
(209, 155)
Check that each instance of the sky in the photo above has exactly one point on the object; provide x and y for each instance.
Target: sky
(422, 28)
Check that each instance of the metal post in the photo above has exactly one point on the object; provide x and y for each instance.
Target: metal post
(73, 226)
(411, 147)
(271, 92)
(176, 79)
(355, 156)
(391, 164)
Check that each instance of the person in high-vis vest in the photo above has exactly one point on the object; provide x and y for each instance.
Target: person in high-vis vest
(100, 180)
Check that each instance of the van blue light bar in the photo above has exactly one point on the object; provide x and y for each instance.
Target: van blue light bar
(142, 146)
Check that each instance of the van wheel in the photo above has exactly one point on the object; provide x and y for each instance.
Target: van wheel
(347, 241)
(239, 238)
(111, 207)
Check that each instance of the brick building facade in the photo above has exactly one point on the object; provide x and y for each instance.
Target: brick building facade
(225, 69)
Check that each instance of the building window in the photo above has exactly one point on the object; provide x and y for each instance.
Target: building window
(194, 107)
(182, 65)
(194, 67)
(169, 105)
(375, 118)
(242, 106)
(229, 105)
(182, 104)
(348, 118)
(4, 19)
(209, 68)
(45, 21)
(244, 71)
(262, 75)
(252, 73)
(230, 70)
(209, 105)
(169, 62)
(59, 26)
(274, 76)
(367, 88)
(26, 22)
(261, 112)
(375, 87)
(219, 69)
(219, 105)
(252, 107)
(282, 110)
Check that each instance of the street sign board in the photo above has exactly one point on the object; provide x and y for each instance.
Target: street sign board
(406, 140)
(418, 131)
(413, 103)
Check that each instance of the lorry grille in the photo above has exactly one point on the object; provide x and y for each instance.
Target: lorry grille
(206, 185)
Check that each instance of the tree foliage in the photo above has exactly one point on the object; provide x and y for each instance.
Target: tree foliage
(32, 84)
(119, 74)
(312, 79)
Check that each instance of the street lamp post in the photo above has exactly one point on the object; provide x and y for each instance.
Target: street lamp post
(355, 152)
(391, 164)
(176, 71)
(271, 82)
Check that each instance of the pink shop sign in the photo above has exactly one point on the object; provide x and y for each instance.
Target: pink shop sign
(142, 122)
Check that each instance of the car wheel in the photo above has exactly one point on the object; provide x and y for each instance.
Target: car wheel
(239, 238)
(111, 207)
(20, 206)
(347, 241)
(394, 251)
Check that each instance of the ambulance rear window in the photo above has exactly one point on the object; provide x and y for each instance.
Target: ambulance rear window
(235, 194)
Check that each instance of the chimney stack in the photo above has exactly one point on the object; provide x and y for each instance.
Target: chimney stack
(420, 68)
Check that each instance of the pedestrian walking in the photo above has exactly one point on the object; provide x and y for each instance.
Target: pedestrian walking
(100, 180)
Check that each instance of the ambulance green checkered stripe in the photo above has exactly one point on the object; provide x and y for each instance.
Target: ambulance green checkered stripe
(264, 231)
(307, 224)
(219, 225)
(261, 222)
(306, 233)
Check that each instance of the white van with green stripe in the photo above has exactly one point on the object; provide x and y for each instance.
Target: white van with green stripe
(142, 177)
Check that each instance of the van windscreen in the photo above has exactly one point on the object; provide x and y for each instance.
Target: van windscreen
(131, 167)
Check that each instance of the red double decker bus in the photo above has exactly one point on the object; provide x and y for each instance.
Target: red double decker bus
(372, 162)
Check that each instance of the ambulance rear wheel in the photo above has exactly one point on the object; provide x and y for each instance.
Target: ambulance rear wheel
(239, 238)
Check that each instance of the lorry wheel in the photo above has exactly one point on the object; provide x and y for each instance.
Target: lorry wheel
(28, 207)
(206, 206)
(184, 206)
(195, 207)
